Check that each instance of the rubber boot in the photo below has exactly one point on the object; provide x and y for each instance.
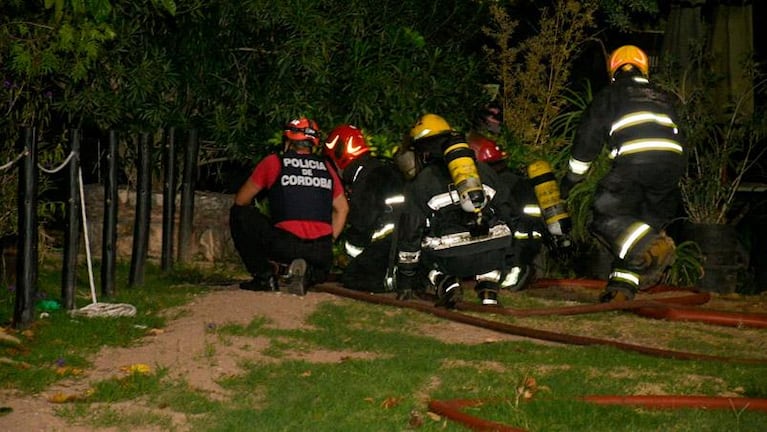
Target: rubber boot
(617, 291)
(653, 261)
(448, 289)
(487, 292)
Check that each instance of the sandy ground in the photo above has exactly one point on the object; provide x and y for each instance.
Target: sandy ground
(184, 348)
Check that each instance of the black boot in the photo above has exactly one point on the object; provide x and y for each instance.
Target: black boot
(448, 289)
(487, 292)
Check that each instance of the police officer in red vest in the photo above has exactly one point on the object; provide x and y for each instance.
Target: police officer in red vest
(640, 194)
(307, 210)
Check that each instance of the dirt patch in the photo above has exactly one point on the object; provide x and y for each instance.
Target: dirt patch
(190, 349)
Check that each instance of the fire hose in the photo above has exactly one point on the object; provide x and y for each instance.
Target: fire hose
(660, 308)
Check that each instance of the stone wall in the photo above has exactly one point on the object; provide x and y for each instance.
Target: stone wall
(210, 239)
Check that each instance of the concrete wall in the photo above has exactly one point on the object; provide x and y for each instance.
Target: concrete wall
(210, 238)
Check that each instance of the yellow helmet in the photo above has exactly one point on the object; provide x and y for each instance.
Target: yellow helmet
(429, 125)
(628, 55)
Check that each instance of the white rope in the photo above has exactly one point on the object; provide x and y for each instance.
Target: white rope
(105, 310)
(60, 167)
(96, 309)
(85, 233)
(16, 159)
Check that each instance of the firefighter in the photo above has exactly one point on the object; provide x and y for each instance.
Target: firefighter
(640, 194)
(455, 222)
(530, 228)
(374, 189)
(307, 213)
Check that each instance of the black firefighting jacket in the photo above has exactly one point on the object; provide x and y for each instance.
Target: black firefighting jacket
(420, 220)
(635, 119)
(375, 189)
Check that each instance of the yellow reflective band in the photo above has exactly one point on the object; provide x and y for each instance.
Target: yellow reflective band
(635, 232)
(396, 199)
(383, 232)
(638, 146)
(625, 276)
(532, 210)
(578, 167)
(641, 117)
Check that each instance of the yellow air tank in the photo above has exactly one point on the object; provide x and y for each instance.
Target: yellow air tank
(553, 207)
(460, 162)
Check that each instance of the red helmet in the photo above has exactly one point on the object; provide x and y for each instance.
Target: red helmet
(344, 144)
(486, 149)
(302, 129)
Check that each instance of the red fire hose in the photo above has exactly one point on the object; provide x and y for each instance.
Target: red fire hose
(661, 311)
(451, 409)
(524, 331)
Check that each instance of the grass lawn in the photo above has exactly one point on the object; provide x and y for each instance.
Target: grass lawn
(354, 366)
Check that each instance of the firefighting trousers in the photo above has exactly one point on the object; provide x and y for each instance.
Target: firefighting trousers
(367, 271)
(631, 194)
(258, 242)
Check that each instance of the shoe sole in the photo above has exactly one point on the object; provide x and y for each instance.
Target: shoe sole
(295, 283)
(615, 297)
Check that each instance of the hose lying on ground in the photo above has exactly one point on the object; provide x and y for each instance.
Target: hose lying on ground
(335, 289)
(451, 409)
(660, 309)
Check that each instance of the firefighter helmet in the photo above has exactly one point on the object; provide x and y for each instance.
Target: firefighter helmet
(344, 144)
(302, 129)
(429, 125)
(486, 149)
(628, 55)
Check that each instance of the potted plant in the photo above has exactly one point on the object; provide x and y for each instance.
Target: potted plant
(725, 142)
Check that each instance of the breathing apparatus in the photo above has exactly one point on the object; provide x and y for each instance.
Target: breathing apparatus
(553, 207)
(460, 160)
